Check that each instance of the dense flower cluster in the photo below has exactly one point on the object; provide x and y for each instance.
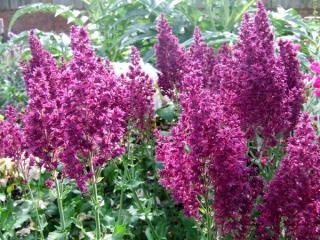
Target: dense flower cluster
(42, 120)
(205, 151)
(73, 111)
(294, 83)
(170, 58)
(264, 89)
(201, 52)
(139, 93)
(92, 122)
(12, 141)
(293, 193)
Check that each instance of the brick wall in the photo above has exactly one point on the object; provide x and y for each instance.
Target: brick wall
(42, 21)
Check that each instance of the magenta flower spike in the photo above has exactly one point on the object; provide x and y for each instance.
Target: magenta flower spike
(293, 193)
(170, 58)
(74, 111)
(41, 119)
(140, 92)
(200, 51)
(263, 89)
(93, 122)
(207, 151)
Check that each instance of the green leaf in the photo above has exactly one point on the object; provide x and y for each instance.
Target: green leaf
(237, 14)
(167, 113)
(119, 232)
(56, 236)
(149, 234)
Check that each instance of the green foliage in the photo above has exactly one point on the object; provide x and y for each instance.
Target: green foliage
(303, 31)
(11, 84)
(115, 25)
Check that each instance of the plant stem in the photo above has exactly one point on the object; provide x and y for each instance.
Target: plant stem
(130, 175)
(96, 201)
(37, 211)
(208, 216)
(137, 200)
(1, 235)
(60, 204)
(121, 205)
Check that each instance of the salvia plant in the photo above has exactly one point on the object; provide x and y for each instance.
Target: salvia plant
(239, 155)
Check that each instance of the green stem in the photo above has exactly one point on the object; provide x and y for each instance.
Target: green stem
(96, 201)
(121, 205)
(208, 217)
(37, 212)
(60, 204)
(1, 235)
(137, 200)
(135, 195)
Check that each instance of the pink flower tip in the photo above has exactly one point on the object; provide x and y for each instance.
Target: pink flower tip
(296, 47)
(315, 67)
(317, 93)
(316, 82)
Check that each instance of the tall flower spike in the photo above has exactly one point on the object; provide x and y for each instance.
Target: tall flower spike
(207, 151)
(263, 30)
(170, 58)
(93, 121)
(295, 86)
(293, 193)
(140, 92)
(41, 121)
(41, 58)
(254, 81)
(200, 51)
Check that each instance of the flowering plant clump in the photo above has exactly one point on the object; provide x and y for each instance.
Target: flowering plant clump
(293, 193)
(236, 150)
(265, 90)
(93, 122)
(206, 151)
(247, 87)
(64, 118)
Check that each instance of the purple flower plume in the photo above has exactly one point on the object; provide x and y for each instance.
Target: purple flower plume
(139, 94)
(93, 123)
(12, 140)
(265, 90)
(170, 58)
(293, 193)
(200, 51)
(206, 151)
(74, 110)
(41, 119)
